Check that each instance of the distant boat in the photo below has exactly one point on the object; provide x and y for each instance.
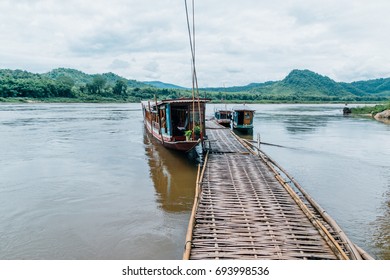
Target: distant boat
(223, 116)
(243, 118)
(179, 124)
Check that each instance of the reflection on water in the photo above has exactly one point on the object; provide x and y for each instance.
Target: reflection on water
(248, 135)
(303, 124)
(173, 175)
(382, 229)
(301, 119)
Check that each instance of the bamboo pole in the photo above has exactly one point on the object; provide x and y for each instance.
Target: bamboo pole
(364, 254)
(151, 118)
(159, 124)
(191, 225)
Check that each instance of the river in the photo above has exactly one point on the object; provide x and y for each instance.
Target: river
(84, 181)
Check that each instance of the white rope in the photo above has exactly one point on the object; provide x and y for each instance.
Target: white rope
(195, 88)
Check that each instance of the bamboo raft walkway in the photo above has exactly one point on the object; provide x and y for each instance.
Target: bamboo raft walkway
(248, 207)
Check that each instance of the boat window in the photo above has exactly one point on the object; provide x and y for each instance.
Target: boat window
(195, 116)
(240, 117)
(163, 119)
(179, 120)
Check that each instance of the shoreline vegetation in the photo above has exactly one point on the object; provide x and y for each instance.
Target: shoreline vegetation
(213, 101)
(64, 85)
(371, 110)
(379, 112)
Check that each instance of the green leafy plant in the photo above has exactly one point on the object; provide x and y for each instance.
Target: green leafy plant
(197, 130)
(188, 134)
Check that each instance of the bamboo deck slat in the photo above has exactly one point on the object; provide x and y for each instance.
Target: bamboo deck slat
(244, 212)
(214, 125)
(221, 141)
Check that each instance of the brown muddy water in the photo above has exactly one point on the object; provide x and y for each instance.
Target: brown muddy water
(85, 181)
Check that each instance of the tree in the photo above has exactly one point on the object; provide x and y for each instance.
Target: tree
(120, 88)
(65, 80)
(97, 85)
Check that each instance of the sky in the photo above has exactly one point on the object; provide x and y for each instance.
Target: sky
(237, 41)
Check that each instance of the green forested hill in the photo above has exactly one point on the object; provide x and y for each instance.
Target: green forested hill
(77, 76)
(74, 85)
(305, 85)
(158, 84)
(70, 85)
(305, 82)
(81, 78)
(373, 86)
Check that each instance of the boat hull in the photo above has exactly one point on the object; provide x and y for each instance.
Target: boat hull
(243, 129)
(224, 122)
(177, 142)
(183, 146)
(223, 116)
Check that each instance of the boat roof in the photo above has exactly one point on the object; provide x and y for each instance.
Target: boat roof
(243, 108)
(176, 100)
(222, 110)
(184, 100)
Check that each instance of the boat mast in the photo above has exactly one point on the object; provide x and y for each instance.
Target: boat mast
(158, 119)
(195, 88)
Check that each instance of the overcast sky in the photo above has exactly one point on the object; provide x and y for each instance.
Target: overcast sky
(237, 41)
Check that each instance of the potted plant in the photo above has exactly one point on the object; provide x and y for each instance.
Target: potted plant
(188, 134)
(197, 131)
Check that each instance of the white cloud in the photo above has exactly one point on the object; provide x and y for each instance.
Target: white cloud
(238, 42)
(119, 64)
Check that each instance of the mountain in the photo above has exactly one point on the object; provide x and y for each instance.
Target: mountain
(70, 85)
(162, 85)
(373, 86)
(297, 86)
(81, 78)
(307, 82)
(77, 76)
(306, 85)
(248, 87)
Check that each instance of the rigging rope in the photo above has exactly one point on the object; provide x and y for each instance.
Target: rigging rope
(195, 88)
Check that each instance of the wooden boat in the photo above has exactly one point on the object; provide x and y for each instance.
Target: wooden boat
(179, 124)
(243, 118)
(223, 116)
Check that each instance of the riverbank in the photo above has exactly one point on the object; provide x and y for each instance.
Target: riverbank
(95, 99)
(379, 112)
(64, 100)
(372, 110)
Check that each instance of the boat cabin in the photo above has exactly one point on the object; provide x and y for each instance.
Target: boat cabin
(223, 116)
(243, 118)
